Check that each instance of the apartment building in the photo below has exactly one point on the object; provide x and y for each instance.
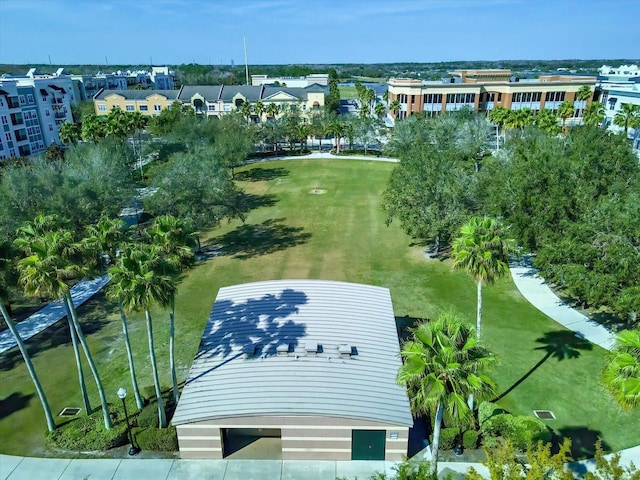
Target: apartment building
(31, 111)
(617, 87)
(483, 90)
(209, 100)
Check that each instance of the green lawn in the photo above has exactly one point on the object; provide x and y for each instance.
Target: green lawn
(337, 235)
(347, 92)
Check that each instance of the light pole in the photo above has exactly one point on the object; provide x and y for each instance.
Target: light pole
(133, 450)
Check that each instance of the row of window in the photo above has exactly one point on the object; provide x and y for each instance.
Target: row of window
(29, 99)
(527, 97)
(461, 97)
(432, 98)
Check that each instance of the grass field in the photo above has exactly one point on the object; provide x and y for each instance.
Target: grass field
(347, 92)
(337, 235)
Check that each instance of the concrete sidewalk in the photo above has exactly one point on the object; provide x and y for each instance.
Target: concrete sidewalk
(537, 292)
(26, 468)
(52, 313)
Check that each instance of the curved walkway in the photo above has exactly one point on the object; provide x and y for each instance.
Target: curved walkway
(537, 292)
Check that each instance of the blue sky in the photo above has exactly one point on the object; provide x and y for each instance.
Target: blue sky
(315, 31)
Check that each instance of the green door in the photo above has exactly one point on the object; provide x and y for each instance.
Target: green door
(367, 444)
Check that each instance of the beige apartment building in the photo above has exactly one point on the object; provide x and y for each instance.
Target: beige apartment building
(482, 90)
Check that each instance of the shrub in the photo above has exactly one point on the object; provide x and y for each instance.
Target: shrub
(157, 439)
(486, 410)
(148, 416)
(448, 438)
(470, 439)
(527, 431)
(496, 425)
(88, 433)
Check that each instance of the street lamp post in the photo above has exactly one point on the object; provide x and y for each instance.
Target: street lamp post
(133, 450)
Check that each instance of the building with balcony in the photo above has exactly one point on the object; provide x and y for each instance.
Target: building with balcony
(483, 90)
(31, 111)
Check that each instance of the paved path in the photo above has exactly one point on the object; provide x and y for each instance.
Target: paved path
(52, 313)
(537, 292)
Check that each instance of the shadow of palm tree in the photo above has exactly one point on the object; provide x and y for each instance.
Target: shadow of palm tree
(261, 174)
(247, 202)
(583, 442)
(252, 240)
(13, 403)
(559, 344)
(262, 323)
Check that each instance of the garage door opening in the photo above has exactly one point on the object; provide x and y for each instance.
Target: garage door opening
(368, 444)
(252, 443)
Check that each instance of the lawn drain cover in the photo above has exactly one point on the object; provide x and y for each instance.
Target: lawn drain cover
(544, 414)
(69, 412)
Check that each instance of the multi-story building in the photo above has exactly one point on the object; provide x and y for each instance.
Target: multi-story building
(31, 111)
(482, 90)
(321, 79)
(209, 100)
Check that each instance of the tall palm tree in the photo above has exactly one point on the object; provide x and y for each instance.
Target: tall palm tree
(594, 114)
(483, 250)
(498, 116)
(582, 95)
(628, 117)
(140, 286)
(442, 365)
(621, 376)
(394, 107)
(335, 126)
(379, 110)
(4, 267)
(565, 110)
(105, 239)
(272, 110)
(53, 260)
(176, 244)
(259, 108)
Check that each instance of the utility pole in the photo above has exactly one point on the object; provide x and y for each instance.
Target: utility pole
(246, 65)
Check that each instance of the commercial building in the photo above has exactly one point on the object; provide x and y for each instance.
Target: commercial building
(302, 369)
(31, 111)
(321, 79)
(209, 100)
(482, 90)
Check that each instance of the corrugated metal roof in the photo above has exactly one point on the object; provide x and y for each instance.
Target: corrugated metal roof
(224, 382)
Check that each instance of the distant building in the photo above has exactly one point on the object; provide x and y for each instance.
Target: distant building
(305, 367)
(31, 110)
(619, 86)
(482, 90)
(209, 100)
(321, 79)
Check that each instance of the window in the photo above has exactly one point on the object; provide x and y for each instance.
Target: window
(102, 108)
(413, 99)
(402, 97)
(157, 108)
(51, 127)
(30, 98)
(8, 136)
(46, 112)
(5, 121)
(211, 108)
(143, 108)
(22, 100)
(554, 97)
(130, 108)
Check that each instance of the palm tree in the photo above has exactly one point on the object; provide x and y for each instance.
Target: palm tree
(582, 95)
(140, 286)
(621, 376)
(594, 114)
(4, 267)
(245, 110)
(498, 116)
(69, 133)
(565, 110)
(259, 109)
(272, 110)
(105, 238)
(175, 242)
(547, 121)
(335, 126)
(443, 364)
(53, 260)
(394, 107)
(379, 110)
(628, 116)
(483, 250)
(518, 118)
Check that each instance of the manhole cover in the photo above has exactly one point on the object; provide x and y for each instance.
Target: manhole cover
(69, 412)
(544, 414)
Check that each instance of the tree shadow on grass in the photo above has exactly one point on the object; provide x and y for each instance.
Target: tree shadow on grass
(559, 344)
(246, 202)
(253, 240)
(583, 442)
(13, 403)
(261, 174)
(92, 315)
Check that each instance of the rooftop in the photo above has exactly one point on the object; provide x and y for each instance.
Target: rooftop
(298, 347)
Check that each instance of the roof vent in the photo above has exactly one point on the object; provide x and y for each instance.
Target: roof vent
(345, 350)
(249, 350)
(282, 350)
(311, 348)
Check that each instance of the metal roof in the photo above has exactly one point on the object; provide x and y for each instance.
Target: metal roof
(211, 93)
(133, 94)
(226, 381)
